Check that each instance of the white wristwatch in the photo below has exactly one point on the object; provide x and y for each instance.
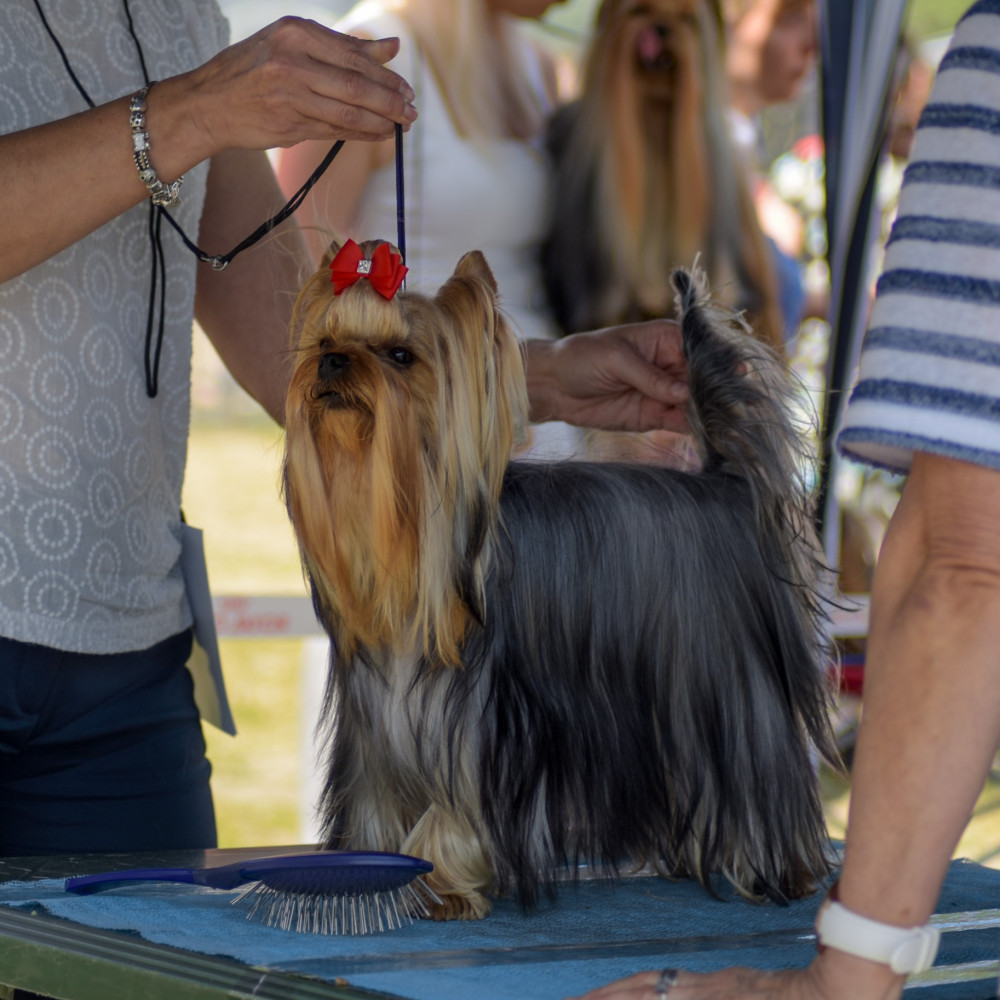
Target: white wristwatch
(904, 949)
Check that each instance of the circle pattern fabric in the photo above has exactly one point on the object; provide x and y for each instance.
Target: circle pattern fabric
(91, 468)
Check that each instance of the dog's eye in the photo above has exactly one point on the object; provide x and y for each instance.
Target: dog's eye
(400, 356)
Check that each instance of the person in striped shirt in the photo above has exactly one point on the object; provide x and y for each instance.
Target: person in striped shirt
(926, 403)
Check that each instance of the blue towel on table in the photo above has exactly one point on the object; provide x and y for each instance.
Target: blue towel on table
(592, 933)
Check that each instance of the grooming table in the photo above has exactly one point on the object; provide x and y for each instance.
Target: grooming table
(178, 942)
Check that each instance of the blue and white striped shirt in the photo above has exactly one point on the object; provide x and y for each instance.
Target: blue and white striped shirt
(929, 377)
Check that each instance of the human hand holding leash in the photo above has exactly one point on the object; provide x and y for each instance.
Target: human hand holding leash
(292, 81)
(629, 377)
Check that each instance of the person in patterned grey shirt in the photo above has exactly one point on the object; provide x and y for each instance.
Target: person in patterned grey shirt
(927, 403)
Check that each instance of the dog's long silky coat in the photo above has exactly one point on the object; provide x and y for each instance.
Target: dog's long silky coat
(536, 665)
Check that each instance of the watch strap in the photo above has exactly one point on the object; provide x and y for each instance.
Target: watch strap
(904, 949)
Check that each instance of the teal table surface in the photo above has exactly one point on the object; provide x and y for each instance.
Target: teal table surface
(146, 942)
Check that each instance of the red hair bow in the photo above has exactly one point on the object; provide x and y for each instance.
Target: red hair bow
(385, 270)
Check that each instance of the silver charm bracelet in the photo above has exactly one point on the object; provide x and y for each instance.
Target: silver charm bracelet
(164, 195)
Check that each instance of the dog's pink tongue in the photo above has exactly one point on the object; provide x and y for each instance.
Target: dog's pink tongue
(649, 44)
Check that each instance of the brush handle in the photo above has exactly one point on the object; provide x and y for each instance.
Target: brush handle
(84, 885)
(314, 872)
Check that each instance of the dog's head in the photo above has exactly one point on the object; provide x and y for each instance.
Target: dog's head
(646, 157)
(656, 43)
(400, 418)
(652, 124)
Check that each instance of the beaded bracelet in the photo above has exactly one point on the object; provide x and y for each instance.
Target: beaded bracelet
(166, 195)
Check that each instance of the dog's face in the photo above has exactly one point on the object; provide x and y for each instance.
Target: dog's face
(655, 40)
(650, 122)
(400, 416)
(366, 376)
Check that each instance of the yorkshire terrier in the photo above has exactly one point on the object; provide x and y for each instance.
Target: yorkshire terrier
(536, 665)
(646, 174)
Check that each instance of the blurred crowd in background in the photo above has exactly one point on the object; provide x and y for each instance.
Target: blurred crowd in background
(755, 66)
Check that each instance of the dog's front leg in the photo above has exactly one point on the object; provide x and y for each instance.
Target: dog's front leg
(463, 871)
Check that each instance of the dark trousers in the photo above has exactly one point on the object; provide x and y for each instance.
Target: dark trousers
(101, 753)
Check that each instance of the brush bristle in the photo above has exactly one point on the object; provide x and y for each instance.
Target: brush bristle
(323, 912)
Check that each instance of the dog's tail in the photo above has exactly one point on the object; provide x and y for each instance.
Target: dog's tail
(746, 414)
(747, 421)
(742, 408)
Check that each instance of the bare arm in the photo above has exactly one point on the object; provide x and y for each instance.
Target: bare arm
(930, 729)
(932, 692)
(293, 80)
(246, 309)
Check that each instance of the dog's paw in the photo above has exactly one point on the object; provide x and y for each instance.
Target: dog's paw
(460, 907)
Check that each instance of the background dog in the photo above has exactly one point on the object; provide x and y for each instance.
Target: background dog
(540, 664)
(646, 175)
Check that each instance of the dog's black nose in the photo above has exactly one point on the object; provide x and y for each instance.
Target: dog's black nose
(333, 364)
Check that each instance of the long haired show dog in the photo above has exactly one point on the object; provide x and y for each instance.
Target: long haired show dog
(536, 665)
(646, 174)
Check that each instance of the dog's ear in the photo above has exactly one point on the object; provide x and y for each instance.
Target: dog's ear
(472, 298)
(485, 378)
(473, 265)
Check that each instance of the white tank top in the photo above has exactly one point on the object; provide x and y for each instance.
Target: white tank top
(463, 194)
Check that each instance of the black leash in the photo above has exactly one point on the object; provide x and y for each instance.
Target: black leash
(220, 261)
(158, 279)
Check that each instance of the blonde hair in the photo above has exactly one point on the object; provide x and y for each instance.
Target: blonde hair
(474, 56)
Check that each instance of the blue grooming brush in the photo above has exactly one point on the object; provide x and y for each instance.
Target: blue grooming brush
(325, 892)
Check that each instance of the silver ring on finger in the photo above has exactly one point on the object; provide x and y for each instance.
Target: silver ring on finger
(665, 982)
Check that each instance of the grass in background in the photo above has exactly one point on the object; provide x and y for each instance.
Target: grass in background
(257, 776)
(930, 18)
(231, 492)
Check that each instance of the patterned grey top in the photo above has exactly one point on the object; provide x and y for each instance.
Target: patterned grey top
(90, 467)
(930, 370)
